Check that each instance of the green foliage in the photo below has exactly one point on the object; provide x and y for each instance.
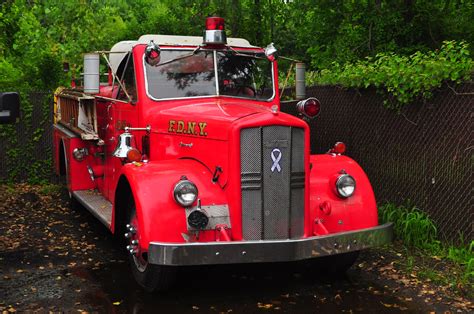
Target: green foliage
(463, 255)
(411, 225)
(416, 230)
(403, 78)
(51, 189)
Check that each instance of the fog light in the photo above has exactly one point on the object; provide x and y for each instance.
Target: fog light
(345, 185)
(79, 153)
(198, 219)
(185, 193)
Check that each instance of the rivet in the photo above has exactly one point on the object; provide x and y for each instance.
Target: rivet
(217, 253)
(340, 222)
(243, 252)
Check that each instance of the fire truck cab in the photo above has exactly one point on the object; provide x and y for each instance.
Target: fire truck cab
(186, 154)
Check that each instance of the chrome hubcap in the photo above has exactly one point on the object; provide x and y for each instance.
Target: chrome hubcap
(133, 247)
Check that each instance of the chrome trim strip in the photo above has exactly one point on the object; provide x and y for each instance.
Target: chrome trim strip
(217, 72)
(209, 253)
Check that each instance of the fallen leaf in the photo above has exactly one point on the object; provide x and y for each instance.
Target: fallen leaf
(264, 306)
(386, 304)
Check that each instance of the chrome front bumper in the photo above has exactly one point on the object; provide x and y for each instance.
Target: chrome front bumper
(209, 253)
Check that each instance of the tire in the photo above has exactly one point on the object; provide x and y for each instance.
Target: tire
(340, 263)
(150, 277)
(333, 265)
(64, 179)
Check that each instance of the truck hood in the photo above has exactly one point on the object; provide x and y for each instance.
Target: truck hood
(204, 120)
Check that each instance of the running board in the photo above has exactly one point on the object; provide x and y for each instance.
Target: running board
(96, 204)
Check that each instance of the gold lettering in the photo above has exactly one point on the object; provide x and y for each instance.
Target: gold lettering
(171, 126)
(202, 126)
(180, 128)
(191, 127)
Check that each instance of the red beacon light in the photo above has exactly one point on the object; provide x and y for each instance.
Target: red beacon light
(215, 31)
(309, 108)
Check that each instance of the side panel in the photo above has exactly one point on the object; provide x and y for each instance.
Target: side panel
(160, 218)
(76, 172)
(356, 212)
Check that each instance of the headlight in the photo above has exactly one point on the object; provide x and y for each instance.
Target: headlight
(345, 185)
(185, 193)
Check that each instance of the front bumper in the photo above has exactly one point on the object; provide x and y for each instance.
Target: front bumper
(209, 253)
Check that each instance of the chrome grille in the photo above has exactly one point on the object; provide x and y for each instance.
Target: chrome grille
(272, 201)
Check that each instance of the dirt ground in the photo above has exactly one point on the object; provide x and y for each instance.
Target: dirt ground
(54, 258)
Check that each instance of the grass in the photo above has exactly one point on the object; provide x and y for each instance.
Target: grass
(419, 235)
(50, 189)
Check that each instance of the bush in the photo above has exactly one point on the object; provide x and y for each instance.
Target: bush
(403, 78)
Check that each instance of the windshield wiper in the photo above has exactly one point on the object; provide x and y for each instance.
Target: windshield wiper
(180, 57)
(240, 54)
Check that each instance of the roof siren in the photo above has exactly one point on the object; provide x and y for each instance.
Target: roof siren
(215, 31)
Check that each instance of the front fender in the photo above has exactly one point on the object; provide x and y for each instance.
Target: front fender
(333, 213)
(160, 218)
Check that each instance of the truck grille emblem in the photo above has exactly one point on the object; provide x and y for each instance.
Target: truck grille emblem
(276, 157)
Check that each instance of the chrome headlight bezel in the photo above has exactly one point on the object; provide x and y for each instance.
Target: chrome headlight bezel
(185, 187)
(79, 154)
(344, 181)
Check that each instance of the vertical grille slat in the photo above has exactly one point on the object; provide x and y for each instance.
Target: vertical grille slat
(297, 184)
(272, 201)
(251, 169)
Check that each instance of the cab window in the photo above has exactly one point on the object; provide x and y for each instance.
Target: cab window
(126, 74)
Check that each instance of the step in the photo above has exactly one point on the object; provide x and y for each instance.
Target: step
(98, 205)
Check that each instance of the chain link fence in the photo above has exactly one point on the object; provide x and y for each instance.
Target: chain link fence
(422, 155)
(25, 148)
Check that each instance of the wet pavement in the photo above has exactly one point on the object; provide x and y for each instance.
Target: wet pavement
(60, 259)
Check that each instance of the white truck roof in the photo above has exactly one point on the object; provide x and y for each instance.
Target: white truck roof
(120, 49)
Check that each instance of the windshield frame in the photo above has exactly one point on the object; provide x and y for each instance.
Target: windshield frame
(217, 94)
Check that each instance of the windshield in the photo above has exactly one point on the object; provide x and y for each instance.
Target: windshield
(184, 74)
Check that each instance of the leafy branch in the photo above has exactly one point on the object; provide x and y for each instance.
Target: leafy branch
(402, 78)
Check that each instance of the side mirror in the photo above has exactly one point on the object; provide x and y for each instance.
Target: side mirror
(9, 107)
(152, 54)
(271, 52)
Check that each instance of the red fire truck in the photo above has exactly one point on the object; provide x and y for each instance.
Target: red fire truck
(185, 152)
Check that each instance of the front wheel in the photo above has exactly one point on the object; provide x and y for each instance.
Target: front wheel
(332, 265)
(340, 263)
(150, 277)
